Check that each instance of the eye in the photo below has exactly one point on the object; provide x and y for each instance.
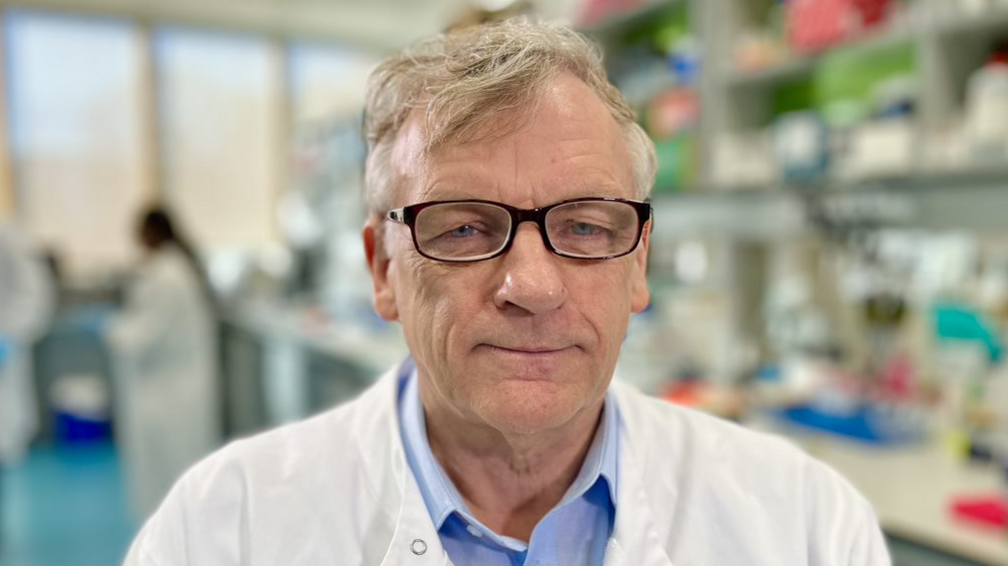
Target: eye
(585, 229)
(463, 231)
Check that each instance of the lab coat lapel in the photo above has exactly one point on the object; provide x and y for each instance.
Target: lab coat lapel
(414, 541)
(635, 542)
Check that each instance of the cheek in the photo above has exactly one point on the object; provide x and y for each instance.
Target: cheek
(604, 296)
(604, 302)
(422, 296)
(440, 301)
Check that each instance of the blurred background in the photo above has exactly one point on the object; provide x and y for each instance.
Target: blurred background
(829, 261)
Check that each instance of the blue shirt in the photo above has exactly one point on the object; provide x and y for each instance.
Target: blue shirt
(574, 532)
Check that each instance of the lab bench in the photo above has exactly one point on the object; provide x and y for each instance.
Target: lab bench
(911, 487)
(283, 362)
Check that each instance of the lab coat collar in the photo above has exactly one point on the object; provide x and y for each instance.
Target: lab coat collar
(415, 540)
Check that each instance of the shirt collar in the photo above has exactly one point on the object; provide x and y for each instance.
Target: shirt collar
(440, 494)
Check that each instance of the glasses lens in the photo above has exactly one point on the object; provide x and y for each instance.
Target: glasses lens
(462, 231)
(593, 229)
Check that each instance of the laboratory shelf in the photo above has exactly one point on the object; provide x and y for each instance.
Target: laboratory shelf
(623, 23)
(787, 71)
(953, 21)
(801, 66)
(974, 199)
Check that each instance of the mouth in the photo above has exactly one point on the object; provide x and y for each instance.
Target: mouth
(529, 350)
(538, 363)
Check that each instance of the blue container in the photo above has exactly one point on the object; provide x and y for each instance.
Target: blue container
(74, 429)
(80, 405)
(868, 424)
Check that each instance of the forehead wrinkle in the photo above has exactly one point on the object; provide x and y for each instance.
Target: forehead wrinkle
(459, 184)
(438, 192)
(466, 180)
(463, 171)
(592, 160)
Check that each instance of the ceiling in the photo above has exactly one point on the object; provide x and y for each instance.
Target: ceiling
(380, 24)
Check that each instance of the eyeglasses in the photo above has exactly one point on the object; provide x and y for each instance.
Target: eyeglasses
(476, 230)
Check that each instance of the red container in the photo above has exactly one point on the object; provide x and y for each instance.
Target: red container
(991, 510)
(597, 12)
(815, 25)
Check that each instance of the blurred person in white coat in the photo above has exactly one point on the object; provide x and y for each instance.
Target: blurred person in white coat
(164, 351)
(26, 302)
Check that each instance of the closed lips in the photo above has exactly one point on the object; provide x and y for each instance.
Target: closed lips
(531, 349)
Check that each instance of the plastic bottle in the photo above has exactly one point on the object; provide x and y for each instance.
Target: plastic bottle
(987, 109)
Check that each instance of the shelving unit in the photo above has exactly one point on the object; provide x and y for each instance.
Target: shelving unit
(799, 66)
(748, 226)
(651, 55)
(761, 241)
(947, 44)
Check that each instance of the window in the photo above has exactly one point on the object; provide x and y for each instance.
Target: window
(76, 128)
(328, 82)
(222, 143)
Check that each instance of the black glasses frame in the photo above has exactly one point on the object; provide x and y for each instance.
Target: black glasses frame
(408, 216)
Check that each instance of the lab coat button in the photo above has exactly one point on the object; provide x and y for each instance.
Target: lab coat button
(418, 546)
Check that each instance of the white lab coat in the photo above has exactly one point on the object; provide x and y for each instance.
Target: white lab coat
(26, 303)
(336, 489)
(164, 348)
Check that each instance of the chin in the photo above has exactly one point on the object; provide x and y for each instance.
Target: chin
(530, 408)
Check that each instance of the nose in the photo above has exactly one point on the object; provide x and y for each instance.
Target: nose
(531, 278)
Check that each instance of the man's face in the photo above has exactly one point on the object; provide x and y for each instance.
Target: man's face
(527, 341)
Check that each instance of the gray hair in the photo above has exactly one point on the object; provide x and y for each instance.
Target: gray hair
(461, 79)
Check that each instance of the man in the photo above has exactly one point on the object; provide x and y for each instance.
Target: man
(508, 235)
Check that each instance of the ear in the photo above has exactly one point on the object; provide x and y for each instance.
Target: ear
(378, 264)
(640, 295)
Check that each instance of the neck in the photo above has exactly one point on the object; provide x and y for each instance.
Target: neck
(510, 482)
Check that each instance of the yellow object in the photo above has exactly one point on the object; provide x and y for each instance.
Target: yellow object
(957, 442)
